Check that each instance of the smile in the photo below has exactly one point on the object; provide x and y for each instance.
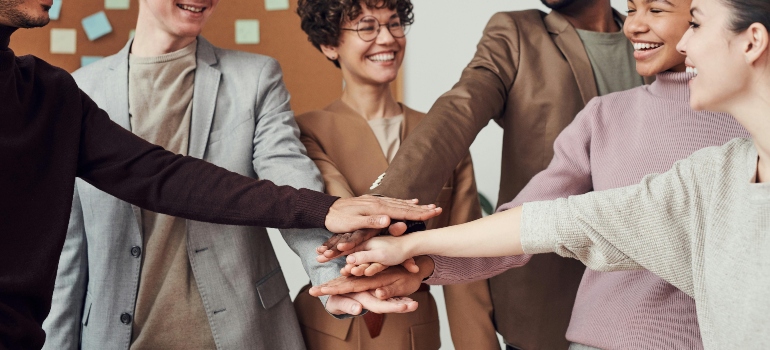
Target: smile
(693, 70)
(191, 8)
(646, 46)
(382, 57)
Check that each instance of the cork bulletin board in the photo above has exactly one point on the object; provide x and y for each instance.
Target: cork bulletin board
(312, 81)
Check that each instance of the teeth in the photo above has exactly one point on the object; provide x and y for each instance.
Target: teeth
(693, 70)
(382, 57)
(646, 46)
(190, 8)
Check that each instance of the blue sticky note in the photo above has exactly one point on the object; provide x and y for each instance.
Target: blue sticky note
(86, 60)
(55, 10)
(96, 25)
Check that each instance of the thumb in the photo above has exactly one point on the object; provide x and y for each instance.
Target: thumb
(339, 305)
(385, 292)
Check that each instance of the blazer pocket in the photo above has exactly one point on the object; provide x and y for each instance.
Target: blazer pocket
(425, 336)
(272, 288)
(86, 309)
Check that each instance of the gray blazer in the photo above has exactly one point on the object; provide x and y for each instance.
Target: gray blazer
(241, 121)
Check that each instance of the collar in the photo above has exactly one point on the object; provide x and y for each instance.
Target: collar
(7, 57)
(672, 86)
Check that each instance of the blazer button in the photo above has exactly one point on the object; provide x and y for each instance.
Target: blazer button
(136, 251)
(125, 318)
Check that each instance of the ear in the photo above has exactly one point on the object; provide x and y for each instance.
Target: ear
(330, 52)
(756, 43)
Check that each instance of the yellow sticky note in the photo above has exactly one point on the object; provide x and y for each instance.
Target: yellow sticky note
(247, 31)
(64, 40)
(116, 4)
(275, 5)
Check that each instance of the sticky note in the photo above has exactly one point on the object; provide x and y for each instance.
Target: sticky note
(63, 40)
(275, 5)
(131, 33)
(96, 25)
(116, 4)
(55, 10)
(86, 60)
(247, 31)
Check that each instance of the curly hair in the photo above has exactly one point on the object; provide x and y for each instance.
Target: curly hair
(322, 19)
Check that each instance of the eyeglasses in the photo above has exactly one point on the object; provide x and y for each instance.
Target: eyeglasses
(368, 28)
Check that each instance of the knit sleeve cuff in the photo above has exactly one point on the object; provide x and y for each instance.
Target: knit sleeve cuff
(539, 231)
(312, 208)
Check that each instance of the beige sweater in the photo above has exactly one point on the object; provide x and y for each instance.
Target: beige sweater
(703, 226)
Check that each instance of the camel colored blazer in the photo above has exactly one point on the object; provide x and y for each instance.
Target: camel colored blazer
(530, 74)
(350, 159)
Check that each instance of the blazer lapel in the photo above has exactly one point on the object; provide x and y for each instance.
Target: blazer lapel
(366, 152)
(568, 41)
(207, 77)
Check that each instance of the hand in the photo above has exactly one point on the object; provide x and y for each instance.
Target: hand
(394, 281)
(351, 214)
(385, 250)
(348, 241)
(354, 303)
(375, 268)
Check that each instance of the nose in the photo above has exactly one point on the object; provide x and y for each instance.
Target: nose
(384, 37)
(682, 45)
(635, 25)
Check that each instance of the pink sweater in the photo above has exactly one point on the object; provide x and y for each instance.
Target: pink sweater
(614, 142)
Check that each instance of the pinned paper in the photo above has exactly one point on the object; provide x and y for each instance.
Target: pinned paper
(247, 31)
(63, 40)
(96, 25)
(86, 60)
(116, 4)
(55, 10)
(275, 5)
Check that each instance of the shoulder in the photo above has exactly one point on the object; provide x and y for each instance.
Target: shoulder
(313, 120)
(91, 76)
(46, 76)
(233, 59)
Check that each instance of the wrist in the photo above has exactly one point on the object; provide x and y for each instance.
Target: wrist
(426, 265)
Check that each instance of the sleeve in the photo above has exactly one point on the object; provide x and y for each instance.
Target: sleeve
(279, 156)
(568, 174)
(437, 145)
(118, 162)
(469, 305)
(655, 225)
(62, 326)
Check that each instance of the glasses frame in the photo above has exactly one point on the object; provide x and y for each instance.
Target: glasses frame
(379, 27)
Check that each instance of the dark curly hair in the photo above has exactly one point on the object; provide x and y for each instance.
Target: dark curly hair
(322, 19)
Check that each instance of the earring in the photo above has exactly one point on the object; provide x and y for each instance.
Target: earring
(333, 58)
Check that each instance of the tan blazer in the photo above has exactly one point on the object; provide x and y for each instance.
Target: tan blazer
(530, 74)
(350, 159)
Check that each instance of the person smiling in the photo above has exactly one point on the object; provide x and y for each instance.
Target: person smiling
(352, 141)
(701, 226)
(614, 142)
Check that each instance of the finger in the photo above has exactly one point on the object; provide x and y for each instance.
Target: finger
(410, 265)
(345, 270)
(332, 241)
(374, 269)
(348, 286)
(324, 259)
(355, 239)
(397, 229)
(359, 270)
(339, 305)
(394, 305)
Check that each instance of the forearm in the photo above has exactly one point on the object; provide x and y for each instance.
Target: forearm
(499, 235)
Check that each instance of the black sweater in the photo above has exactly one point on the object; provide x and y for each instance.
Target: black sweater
(50, 133)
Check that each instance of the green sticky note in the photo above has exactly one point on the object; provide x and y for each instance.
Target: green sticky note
(247, 31)
(64, 40)
(275, 5)
(131, 33)
(116, 4)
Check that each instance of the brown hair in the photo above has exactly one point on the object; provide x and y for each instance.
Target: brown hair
(322, 19)
(747, 12)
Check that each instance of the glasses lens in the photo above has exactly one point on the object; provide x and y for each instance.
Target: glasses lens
(367, 28)
(397, 29)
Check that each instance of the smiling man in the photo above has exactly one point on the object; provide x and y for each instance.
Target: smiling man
(143, 280)
(51, 132)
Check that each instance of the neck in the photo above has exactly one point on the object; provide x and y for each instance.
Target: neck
(371, 101)
(596, 16)
(150, 40)
(5, 36)
(751, 112)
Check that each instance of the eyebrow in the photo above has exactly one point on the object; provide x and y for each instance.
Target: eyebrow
(694, 10)
(663, 1)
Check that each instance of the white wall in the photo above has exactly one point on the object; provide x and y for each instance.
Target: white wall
(440, 44)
